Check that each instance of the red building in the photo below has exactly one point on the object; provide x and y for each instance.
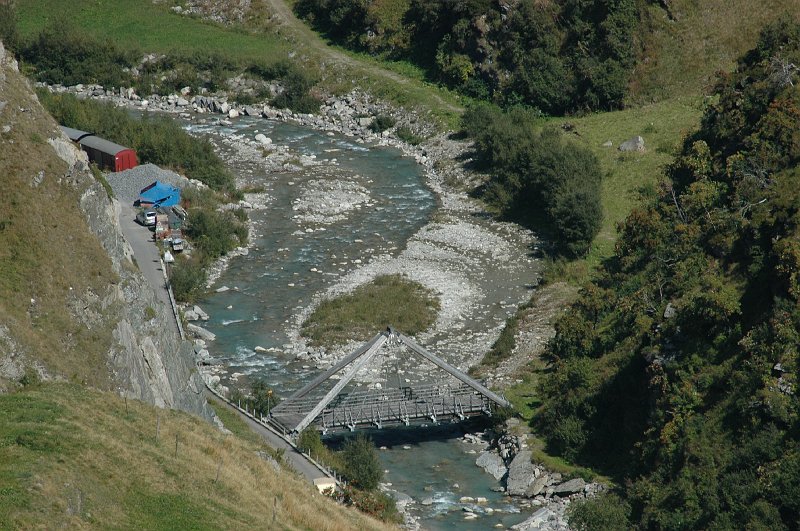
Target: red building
(105, 154)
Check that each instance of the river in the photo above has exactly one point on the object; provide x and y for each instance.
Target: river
(385, 219)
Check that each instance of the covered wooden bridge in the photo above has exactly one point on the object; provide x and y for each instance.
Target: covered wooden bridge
(449, 394)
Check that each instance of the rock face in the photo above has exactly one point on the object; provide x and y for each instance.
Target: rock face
(492, 464)
(145, 358)
(521, 473)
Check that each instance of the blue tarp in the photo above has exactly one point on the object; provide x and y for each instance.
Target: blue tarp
(159, 194)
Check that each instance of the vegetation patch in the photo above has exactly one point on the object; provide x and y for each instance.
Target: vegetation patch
(389, 300)
(538, 177)
(678, 365)
(80, 458)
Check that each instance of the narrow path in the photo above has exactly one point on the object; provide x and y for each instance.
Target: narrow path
(298, 461)
(305, 35)
(146, 254)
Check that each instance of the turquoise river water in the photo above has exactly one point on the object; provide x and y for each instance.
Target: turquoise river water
(276, 280)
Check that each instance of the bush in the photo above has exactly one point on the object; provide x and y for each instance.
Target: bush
(381, 123)
(538, 177)
(188, 279)
(8, 26)
(361, 463)
(407, 135)
(214, 233)
(64, 54)
(296, 96)
(156, 139)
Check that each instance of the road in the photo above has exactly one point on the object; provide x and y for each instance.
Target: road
(297, 460)
(146, 254)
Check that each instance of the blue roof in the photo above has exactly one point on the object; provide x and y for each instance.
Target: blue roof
(160, 194)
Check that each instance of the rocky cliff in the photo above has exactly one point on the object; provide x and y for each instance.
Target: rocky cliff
(73, 303)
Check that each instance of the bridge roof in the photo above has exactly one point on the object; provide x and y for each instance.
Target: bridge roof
(336, 409)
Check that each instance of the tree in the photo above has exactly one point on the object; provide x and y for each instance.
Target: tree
(362, 466)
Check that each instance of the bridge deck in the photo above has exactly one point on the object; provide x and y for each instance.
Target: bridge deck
(383, 407)
(337, 409)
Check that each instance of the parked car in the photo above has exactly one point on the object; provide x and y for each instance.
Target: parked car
(146, 217)
(177, 245)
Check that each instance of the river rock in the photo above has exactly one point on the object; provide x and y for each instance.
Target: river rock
(233, 113)
(203, 316)
(521, 474)
(263, 139)
(201, 332)
(634, 144)
(535, 521)
(427, 501)
(492, 464)
(537, 486)
(570, 487)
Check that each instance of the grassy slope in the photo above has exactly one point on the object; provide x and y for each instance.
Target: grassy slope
(72, 457)
(150, 28)
(48, 256)
(682, 55)
(153, 28)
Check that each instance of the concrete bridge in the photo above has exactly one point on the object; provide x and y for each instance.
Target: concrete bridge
(452, 395)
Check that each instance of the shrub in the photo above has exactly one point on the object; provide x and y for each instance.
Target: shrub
(362, 466)
(214, 233)
(296, 96)
(381, 123)
(187, 278)
(63, 54)
(407, 135)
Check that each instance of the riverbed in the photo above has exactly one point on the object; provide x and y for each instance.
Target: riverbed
(331, 213)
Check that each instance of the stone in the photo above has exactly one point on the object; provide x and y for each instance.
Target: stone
(466, 499)
(260, 349)
(223, 108)
(634, 144)
(200, 313)
(535, 521)
(185, 91)
(521, 474)
(233, 113)
(669, 311)
(222, 289)
(608, 144)
(427, 501)
(3, 105)
(191, 315)
(570, 487)
(537, 486)
(263, 139)
(492, 464)
(181, 102)
(201, 332)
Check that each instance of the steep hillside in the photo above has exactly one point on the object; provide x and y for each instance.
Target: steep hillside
(686, 44)
(676, 371)
(73, 304)
(81, 459)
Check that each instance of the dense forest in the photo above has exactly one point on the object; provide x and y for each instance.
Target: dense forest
(676, 372)
(561, 56)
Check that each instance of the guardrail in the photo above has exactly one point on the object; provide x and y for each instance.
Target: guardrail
(260, 420)
(172, 301)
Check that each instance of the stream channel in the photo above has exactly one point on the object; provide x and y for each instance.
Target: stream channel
(292, 259)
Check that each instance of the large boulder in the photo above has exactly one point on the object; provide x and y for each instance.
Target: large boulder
(521, 474)
(535, 521)
(492, 464)
(634, 144)
(570, 487)
(537, 486)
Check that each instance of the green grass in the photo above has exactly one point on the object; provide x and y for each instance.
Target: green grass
(75, 458)
(682, 56)
(389, 300)
(149, 27)
(663, 126)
